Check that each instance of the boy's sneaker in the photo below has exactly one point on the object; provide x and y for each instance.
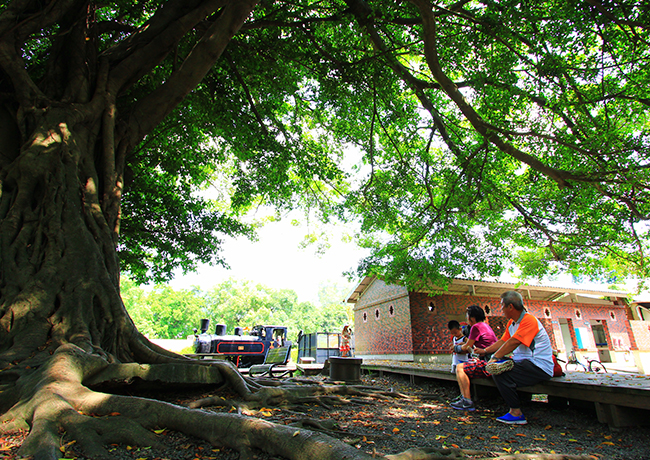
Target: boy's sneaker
(456, 399)
(463, 404)
(512, 420)
(500, 366)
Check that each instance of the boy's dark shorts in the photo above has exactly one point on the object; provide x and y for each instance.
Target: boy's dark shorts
(475, 369)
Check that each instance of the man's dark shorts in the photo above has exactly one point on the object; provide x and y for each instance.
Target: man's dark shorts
(475, 369)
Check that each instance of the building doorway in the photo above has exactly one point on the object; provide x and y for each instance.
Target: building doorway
(600, 338)
(566, 337)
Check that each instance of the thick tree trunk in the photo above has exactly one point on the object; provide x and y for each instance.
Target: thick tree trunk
(59, 272)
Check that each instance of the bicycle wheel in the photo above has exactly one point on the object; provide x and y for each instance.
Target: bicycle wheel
(597, 367)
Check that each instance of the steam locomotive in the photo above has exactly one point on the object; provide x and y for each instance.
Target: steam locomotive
(243, 350)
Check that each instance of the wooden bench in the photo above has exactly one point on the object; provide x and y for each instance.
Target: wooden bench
(274, 361)
(620, 400)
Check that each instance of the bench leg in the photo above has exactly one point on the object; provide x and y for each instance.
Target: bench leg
(617, 417)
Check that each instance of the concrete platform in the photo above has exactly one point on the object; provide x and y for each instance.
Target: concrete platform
(310, 368)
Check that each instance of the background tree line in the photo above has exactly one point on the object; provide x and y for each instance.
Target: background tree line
(166, 313)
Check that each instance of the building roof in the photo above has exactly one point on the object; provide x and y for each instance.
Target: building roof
(495, 289)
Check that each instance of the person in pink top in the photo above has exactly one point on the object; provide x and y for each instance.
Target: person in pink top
(481, 336)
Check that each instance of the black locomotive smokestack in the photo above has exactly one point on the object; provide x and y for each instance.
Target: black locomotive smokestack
(205, 323)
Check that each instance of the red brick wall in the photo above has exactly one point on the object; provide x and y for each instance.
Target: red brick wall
(430, 332)
(390, 322)
(579, 315)
(498, 324)
(382, 321)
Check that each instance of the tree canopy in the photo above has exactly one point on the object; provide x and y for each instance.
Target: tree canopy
(531, 144)
(489, 135)
(522, 144)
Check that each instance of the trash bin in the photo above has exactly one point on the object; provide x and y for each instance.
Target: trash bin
(347, 370)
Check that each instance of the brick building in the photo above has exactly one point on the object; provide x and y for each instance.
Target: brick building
(394, 323)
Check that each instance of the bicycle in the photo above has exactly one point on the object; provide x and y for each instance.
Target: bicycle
(593, 365)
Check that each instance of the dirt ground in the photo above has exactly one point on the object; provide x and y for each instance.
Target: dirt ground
(425, 419)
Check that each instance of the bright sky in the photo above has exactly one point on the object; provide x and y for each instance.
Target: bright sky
(277, 261)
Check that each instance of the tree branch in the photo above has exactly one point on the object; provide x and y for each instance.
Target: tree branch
(137, 60)
(158, 25)
(448, 86)
(364, 16)
(25, 17)
(25, 89)
(528, 218)
(249, 96)
(152, 109)
(15, 29)
(631, 24)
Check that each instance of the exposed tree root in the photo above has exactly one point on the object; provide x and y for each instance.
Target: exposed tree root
(55, 399)
(329, 426)
(291, 395)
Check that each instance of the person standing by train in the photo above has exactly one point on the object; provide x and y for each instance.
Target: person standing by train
(344, 347)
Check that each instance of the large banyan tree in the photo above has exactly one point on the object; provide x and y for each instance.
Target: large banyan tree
(486, 134)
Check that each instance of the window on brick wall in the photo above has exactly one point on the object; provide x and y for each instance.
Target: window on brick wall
(547, 312)
(391, 311)
(432, 307)
(612, 315)
(365, 317)
(578, 314)
(377, 313)
(487, 309)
